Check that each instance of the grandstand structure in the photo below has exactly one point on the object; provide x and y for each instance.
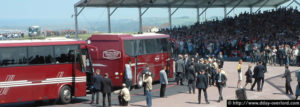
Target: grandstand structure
(173, 6)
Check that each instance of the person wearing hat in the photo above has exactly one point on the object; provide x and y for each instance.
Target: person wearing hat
(124, 96)
(97, 79)
(148, 80)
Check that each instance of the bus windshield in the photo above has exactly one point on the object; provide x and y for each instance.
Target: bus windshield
(145, 46)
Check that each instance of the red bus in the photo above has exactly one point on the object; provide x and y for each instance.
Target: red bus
(115, 50)
(32, 70)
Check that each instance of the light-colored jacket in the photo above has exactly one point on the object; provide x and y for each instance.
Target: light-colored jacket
(180, 65)
(163, 77)
(125, 93)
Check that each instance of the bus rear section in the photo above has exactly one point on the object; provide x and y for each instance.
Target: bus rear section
(108, 58)
(115, 50)
(32, 71)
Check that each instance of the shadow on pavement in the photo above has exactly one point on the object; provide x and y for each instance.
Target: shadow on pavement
(191, 102)
(138, 105)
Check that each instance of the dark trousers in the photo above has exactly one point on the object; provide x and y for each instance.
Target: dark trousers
(144, 85)
(265, 65)
(191, 86)
(122, 101)
(162, 90)
(280, 61)
(260, 84)
(128, 84)
(253, 85)
(220, 89)
(97, 96)
(179, 78)
(205, 94)
(288, 87)
(108, 97)
(298, 60)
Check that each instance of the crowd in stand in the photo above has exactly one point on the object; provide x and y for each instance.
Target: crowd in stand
(5, 36)
(272, 35)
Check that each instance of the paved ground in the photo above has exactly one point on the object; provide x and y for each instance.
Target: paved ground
(177, 96)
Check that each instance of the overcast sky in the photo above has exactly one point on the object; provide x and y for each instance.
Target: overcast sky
(63, 9)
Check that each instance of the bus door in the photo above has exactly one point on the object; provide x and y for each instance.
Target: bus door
(82, 64)
(87, 67)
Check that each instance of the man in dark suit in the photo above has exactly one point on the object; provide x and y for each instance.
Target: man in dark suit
(191, 76)
(280, 54)
(106, 89)
(220, 82)
(221, 59)
(259, 76)
(97, 79)
(180, 68)
(201, 84)
(288, 79)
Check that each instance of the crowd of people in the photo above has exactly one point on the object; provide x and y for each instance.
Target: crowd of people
(5, 36)
(269, 37)
(248, 36)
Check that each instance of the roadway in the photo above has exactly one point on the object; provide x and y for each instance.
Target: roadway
(178, 96)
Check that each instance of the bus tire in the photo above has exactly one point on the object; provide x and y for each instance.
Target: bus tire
(140, 81)
(65, 95)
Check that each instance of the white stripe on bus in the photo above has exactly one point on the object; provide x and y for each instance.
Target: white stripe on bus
(44, 82)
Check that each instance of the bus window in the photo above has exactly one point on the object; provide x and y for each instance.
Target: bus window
(16, 56)
(40, 55)
(62, 53)
(129, 47)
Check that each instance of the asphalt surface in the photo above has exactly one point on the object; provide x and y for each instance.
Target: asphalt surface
(136, 96)
(178, 96)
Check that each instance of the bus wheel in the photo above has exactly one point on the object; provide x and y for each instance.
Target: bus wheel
(65, 95)
(140, 81)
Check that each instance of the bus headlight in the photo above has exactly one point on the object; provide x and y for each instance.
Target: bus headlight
(89, 42)
(116, 73)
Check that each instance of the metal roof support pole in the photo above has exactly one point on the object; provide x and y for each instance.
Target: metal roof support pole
(234, 7)
(251, 10)
(76, 23)
(140, 20)
(108, 19)
(198, 17)
(297, 2)
(170, 17)
(262, 6)
(225, 12)
(207, 7)
(290, 3)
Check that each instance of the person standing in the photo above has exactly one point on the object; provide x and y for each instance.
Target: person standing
(288, 79)
(124, 96)
(273, 56)
(180, 67)
(128, 75)
(106, 89)
(298, 85)
(148, 80)
(191, 78)
(145, 72)
(163, 81)
(259, 76)
(248, 75)
(220, 83)
(240, 77)
(97, 79)
(281, 55)
(202, 84)
(221, 59)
